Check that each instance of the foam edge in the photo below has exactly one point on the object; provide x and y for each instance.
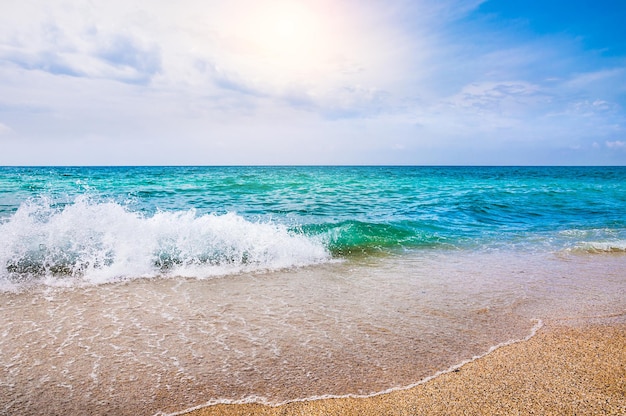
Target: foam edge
(263, 401)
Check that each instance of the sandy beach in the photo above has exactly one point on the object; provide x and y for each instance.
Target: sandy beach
(566, 368)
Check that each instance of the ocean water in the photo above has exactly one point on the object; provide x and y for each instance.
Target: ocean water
(166, 288)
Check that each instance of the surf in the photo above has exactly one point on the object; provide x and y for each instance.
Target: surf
(99, 241)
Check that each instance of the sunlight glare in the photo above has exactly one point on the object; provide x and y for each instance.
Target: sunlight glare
(289, 34)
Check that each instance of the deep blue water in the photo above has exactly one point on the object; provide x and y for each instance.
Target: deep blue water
(78, 220)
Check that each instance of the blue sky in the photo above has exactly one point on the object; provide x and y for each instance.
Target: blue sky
(312, 82)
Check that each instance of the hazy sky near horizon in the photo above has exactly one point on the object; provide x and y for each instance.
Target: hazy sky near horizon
(312, 82)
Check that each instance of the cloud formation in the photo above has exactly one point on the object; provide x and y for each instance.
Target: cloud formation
(207, 82)
(617, 144)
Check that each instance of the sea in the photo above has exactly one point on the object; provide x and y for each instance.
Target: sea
(154, 290)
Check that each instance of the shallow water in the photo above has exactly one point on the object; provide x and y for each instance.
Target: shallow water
(352, 327)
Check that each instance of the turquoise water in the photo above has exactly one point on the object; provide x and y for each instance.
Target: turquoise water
(167, 288)
(80, 221)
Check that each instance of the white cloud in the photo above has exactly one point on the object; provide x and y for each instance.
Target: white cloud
(212, 46)
(208, 80)
(71, 41)
(587, 79)
(503, 97)
(617, 144)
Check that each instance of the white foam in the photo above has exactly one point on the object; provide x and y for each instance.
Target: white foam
(617, 246)
(100, 242)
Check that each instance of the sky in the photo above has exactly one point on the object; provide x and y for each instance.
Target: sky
(264, 82)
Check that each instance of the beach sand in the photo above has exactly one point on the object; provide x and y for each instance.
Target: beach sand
(568, 368)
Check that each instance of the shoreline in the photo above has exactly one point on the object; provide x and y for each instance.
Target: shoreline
(566, 366)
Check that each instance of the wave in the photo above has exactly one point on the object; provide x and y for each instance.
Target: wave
(358, 237)
(99, 242)
(595, 240)
(596, 247)
(96, 241)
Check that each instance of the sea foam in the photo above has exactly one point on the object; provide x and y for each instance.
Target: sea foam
(618, 246)
(98, 242)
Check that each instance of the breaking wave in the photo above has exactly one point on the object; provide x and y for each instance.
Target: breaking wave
(594, 247)
(99, 242)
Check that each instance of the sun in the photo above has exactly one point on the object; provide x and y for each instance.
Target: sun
(285, 27)
(288, 33)
(283, 44)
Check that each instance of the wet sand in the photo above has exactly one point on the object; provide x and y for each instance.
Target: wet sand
(567, 368)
